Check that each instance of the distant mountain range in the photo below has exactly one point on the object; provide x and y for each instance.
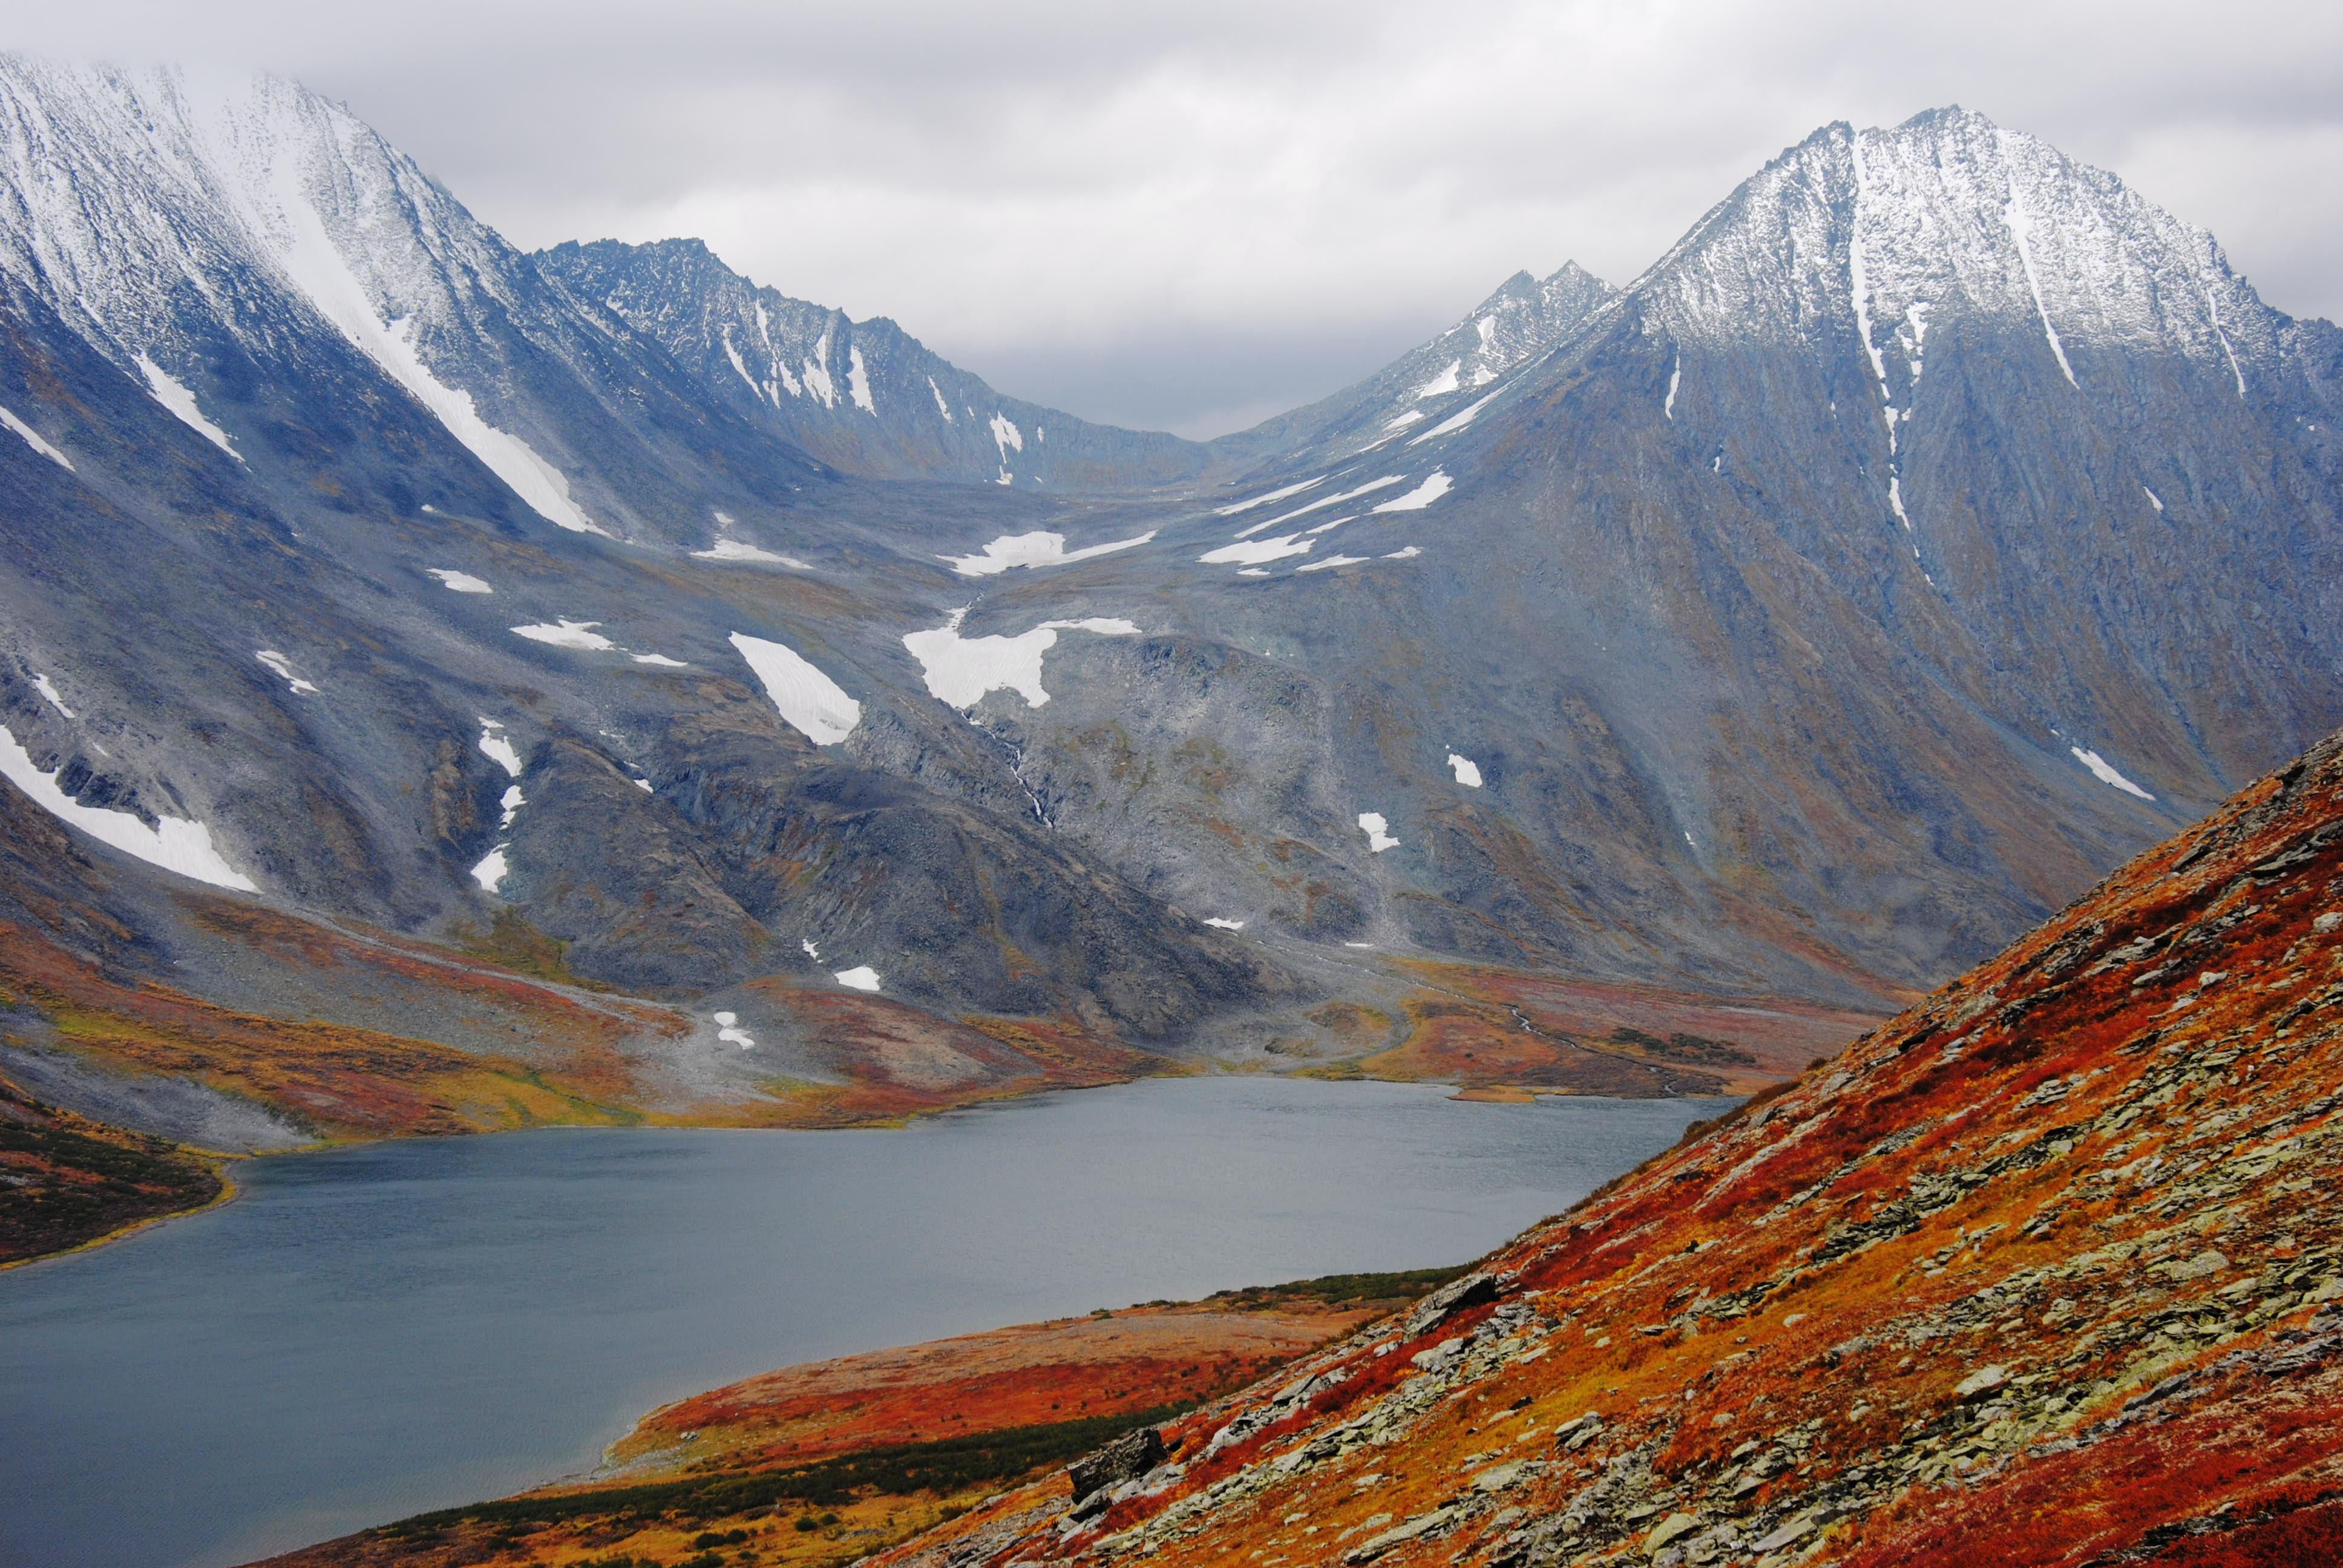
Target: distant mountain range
(1937, 524)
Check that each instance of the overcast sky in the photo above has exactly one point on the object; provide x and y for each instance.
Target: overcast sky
(1194, 215)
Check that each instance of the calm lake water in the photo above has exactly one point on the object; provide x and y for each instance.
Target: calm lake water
(379, 1331)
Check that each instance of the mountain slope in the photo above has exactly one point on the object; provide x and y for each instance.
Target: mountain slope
(2039, 1273)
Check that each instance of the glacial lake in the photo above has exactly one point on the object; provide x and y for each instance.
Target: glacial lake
(377, 1331)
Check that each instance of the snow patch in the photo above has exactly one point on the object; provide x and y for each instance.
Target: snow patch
(492, 869)
(1444, 382)
(1224, 925)
(809, 700)
(1675, 378)
(1373, 824)
(1406, 553)
(173, 843)
(460, 582)
(1457, 421)
(2020, 227)
(817, 374)
(735, 550)
(729, 1029)
(510, 803)
(2153, 499)
(1252, 552)
(1467, 771)
(960, 671)
(661, 659)
(181, 402)
(1331, 561)
(283, 669)
(496, 748)
(33, 438)
(1271, 496)
(1006, 438)
(1034, 549)
(1423, 495)
(942, 408)
(1332, 524)
(2105, 772)
(577, 634)
(858, 380)
(1368, 488)
(48, 690)
(862, 976)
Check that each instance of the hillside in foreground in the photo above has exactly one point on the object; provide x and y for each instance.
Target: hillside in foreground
(2038, 1273)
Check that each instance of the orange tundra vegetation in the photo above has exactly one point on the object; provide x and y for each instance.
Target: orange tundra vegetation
(2044, 1270)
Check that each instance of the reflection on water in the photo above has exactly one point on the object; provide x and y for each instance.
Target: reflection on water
(377, 1331)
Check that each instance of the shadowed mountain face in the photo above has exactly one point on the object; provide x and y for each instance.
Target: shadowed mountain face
(1936, 524)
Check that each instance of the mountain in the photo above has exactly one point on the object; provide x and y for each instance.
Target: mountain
(1937, 523)
(2040, 1273)
(865, 398)
(1517, 324)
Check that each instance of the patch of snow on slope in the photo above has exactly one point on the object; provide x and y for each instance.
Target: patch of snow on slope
(2105, 772)
(858, 380)
(734, 355)
(1265, 499)
(460, 582)
(173, 843)
(2020, 227)
(1252, 552)
(1331, 561)
(2153, 499)
(811, 702)
(960, 671)
(1464, 416)
(862, 976)
(48, 690)
(1413, 416)
(729, 1029)
(496, 748)
(33, 440)
(1224, 925)
(491, 871)
(1423, 495)
(661, 659)
(942, 408)
(734, 551)
(811, 951)
(283, 669)
(1005, 435)
(1373, 824)
(1332, 524)
(1467, 771)
(817, 374)
(511, 801)
(1367, 488)
(1443, 383)
(318, 267)
(1407, 552)
(577, 634)
(181, 401)
(1034, 549)
(1675, 378)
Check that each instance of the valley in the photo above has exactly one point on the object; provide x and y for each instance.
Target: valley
(1798, 785)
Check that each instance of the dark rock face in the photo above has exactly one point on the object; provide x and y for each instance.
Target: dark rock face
(1127, 1458)
(1937, 524)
